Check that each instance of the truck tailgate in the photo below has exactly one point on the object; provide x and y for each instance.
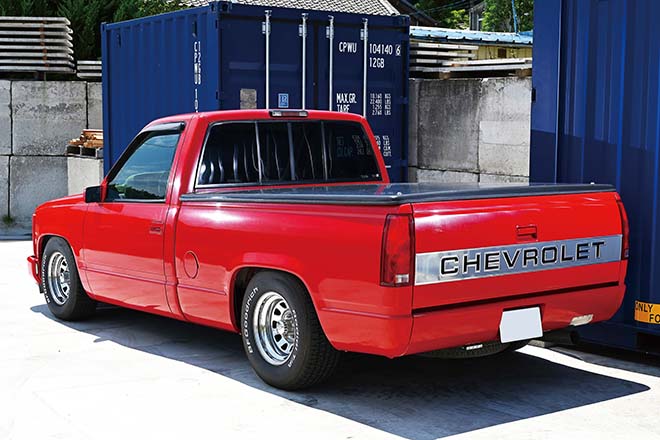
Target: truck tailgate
(480, 250)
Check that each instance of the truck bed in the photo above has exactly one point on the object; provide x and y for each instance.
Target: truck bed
(392, 194)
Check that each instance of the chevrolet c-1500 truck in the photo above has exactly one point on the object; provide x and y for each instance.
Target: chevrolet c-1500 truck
(282, 226)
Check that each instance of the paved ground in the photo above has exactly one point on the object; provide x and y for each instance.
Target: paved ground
(127, 373)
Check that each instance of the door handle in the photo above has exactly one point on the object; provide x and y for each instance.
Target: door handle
(156, 229)
(528, 232)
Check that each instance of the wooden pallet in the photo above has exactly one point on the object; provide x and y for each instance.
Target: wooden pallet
(36, 44)
(89, 70)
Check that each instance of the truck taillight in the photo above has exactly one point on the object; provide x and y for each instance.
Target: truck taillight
(625, 230)
(398, 251)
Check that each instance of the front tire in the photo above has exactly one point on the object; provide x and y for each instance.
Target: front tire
(281, 333)
(60, 282)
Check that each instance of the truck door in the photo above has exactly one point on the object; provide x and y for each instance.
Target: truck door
(123, 235)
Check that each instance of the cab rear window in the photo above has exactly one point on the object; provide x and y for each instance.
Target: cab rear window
(286, 152)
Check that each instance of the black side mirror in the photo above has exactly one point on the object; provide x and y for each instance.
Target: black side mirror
(93, 194)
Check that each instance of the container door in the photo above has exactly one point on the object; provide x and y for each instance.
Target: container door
(261, 50)
(363, 72)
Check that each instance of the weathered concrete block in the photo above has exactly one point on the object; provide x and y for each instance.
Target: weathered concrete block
(413, 121)
(424, 175)
(505, 99)
(94, 105)
(46, 115)
(34, 180)
(499, 178)
(5, 117)
(447, 134)
(4, 185)
(504, 147)
(83, 172)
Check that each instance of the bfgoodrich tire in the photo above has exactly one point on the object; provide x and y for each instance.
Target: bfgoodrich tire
(282, 335)
(60, 282)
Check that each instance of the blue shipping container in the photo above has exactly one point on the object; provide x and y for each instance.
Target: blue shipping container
(228, 56)
(596, 118)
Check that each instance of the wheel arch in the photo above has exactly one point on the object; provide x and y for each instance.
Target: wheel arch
(41, 247)
(242, 277)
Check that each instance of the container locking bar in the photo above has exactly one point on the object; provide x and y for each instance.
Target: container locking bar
(303, 35)
(265, 29)
(330, 34)
(365, 39)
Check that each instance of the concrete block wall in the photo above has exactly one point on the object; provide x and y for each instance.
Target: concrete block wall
(37, 118)
(470, 130)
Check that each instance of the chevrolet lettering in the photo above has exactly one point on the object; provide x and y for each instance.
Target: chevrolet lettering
(437, 267)
(283, 227)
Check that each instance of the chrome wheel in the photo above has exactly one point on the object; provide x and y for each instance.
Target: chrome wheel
(274, 330)
(59, 278)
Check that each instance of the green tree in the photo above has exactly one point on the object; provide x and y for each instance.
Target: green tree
(445, 15)
(498, 15)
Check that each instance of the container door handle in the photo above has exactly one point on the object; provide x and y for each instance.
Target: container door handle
(528, 232)
(330, 34)
(303, 35)
(365, 38)
(265, 29)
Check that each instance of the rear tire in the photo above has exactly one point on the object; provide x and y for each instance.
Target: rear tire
(60, 282)
(281, 333)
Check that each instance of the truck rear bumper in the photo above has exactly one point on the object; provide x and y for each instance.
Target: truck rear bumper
(462, 324)
(465, 324)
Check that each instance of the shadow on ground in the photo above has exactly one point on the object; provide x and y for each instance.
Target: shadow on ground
(413, 397)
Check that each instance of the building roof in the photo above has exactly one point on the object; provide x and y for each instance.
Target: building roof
(458, 35)
(371, 7)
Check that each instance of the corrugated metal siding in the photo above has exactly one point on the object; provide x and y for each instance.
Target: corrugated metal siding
(372, 7)
(607, 124)
(467, 36)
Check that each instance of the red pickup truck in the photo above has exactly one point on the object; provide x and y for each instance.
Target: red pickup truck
(282, 226)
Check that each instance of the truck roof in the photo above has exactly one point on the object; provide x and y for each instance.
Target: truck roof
(260, 114)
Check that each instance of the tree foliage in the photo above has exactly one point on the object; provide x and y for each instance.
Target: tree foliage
(446, 16)
(498, 15)
(86, 16)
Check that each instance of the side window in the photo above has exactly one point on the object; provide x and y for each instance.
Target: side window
(145, 173)
(230, 155)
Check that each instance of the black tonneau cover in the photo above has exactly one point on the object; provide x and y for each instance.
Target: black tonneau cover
(392, 194)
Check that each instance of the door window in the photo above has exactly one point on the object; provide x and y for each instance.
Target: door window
(146, 171)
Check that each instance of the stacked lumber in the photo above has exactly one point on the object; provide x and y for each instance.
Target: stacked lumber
(430, 57)
(89, 70)
(449, 60)
(90, 143)
(36, 44)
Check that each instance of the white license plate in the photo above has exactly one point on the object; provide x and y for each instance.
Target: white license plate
(518, 325)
